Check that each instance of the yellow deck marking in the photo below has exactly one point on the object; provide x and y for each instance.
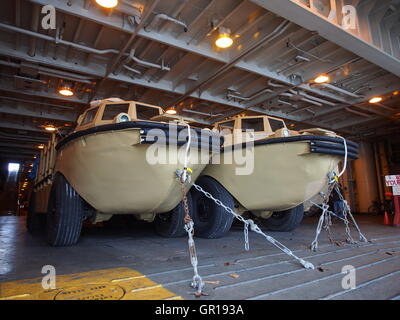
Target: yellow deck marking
(106, 284)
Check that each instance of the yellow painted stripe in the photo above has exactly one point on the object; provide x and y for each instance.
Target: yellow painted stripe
(106, 284)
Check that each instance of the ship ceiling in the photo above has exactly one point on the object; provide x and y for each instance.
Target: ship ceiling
(164, 53)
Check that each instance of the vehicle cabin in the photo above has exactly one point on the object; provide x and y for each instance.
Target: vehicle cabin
(108, 112)
(257, 127)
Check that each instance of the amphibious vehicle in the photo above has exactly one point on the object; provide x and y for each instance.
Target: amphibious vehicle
(122, 158)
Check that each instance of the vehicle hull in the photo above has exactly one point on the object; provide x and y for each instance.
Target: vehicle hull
(111, 171)
(284, 175)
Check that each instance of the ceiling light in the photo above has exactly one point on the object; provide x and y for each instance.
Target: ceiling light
(66, 91)
(50, 128)
(322, 78)
(41, 146)
(224, 38)
(375, 100)
(107, 3)
(171, 111)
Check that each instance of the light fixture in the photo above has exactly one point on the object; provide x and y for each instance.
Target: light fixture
(50, 128)
(285, 133)
(375, 100)
(13, 167)
(171, 111)
(322, 78)
(122, 117)
(107, 3)
(224, 38)
(66, 90)
(40, 146)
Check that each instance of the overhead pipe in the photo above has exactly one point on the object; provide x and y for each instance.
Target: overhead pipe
(340, 90)
(358, 113)
(21, 137)
(312, 102)
(57, 40)
(285, 102)
(162, 16)
(255, 95)
(312, 97)
(287, 94)
(131, 69)
(51, 72)
(275, 85)
(251, 49)
(203, 113)
(146, 63)
(116, 61)
(300, 109)
(36, 102)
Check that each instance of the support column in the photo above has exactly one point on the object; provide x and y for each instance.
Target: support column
(365, 176)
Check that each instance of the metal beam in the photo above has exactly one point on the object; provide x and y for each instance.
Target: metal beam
(115, 22)
(23, 110)
(20, 126)
(162, 85)
(306, 18)
(17, 145)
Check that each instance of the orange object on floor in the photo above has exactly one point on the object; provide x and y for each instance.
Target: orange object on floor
(386, 220)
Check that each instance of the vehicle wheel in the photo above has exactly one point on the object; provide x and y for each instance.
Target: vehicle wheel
(211, 220)
(65, 214)
(34, 221)
(286, 220)
(171, 224)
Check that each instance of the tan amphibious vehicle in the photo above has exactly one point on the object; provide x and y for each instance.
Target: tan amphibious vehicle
(121, 159)
(270, 171)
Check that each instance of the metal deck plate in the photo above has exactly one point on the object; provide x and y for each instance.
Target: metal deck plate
(107, 284)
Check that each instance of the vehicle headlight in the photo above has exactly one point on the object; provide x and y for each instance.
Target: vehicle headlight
(285, 133)
(122, 117)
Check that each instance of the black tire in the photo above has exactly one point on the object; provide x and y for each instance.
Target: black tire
(35, 222)
(286, 220)
(210, 220)
(171, 224)
(65, 214)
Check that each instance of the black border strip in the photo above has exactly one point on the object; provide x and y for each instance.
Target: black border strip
(303, 138)
(336, 152)
(126, 125)
(329, 145)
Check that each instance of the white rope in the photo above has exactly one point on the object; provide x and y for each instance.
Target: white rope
(345, 157)
(197, 282)
(184, 176)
